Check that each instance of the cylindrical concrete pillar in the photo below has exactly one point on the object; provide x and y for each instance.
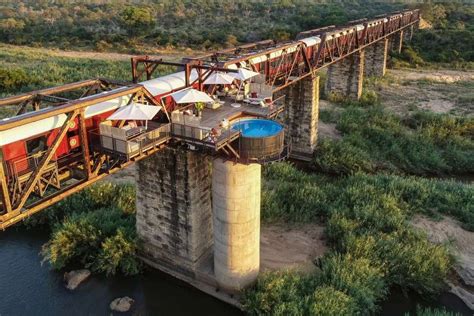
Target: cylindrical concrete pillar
(236, 211)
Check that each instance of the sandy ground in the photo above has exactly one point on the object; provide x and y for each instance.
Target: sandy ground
(462, 243)
(435, 90)
(284, 247)
(443, 76)
(327, 130)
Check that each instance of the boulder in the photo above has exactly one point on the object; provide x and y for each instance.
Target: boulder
(76, 277)
(121, 304)
(466, 296)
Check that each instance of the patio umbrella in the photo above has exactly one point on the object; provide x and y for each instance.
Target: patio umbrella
(136, 111)
(244, 74)
(219, 78)
(191, 96)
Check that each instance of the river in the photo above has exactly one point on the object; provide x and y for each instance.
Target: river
(29, 288)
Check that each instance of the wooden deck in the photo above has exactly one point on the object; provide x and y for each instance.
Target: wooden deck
(197, 131)
(211, 118)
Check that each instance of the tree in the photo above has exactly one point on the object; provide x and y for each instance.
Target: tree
(137, 21)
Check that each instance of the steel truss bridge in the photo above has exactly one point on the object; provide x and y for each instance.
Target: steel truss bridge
(70, 111)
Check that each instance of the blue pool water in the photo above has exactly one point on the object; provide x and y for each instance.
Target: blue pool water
(257, 127)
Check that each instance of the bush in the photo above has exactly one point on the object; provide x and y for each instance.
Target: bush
(327, 301)
(13, 79)
(279, 293)
(341, 157)
(422, 144)
(99, 195)
(103, 240)
(358, 277)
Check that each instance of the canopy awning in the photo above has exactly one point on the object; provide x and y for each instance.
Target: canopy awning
(135, 111)
(191, 96)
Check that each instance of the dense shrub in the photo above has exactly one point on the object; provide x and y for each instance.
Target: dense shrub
(12, 79)
(279, 293)
(327, 301)
(103, 240)
(374, 139)
(198, 23)
(95, 228)
(99, 195)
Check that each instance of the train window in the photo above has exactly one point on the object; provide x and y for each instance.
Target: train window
(36, 145)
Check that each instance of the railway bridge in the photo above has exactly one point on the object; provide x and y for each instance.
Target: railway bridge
(198, 178)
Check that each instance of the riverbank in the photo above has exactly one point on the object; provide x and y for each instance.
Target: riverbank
(35, 289)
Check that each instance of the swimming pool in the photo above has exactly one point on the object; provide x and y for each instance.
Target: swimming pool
(260, 139)
(257, 128)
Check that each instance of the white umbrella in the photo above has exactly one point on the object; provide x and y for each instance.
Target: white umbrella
(244, 74)
(135, 111)
(191, 96)
(219, 78)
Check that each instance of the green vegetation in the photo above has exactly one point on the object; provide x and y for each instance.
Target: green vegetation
(206, 24)
(198, 23)
(423, 143)
(372, 245)
(94, 228)
(449, 39)
(25, 69)
(433, 312)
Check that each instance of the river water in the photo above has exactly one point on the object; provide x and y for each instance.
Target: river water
(29, 288)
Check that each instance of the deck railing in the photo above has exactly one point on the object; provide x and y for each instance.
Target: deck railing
(214, 138)
(130, 148)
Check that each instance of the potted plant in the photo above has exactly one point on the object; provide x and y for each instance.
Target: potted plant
(199, 106)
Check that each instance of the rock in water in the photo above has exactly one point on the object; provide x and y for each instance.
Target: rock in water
(122, 304)
(74, 278)
(466, 296)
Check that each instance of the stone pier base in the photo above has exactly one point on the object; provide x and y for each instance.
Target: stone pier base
(376, 58)
(346, 76)
(174, 214)
(301, 116)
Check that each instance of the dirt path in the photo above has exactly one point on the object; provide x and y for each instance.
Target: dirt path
(169, 54)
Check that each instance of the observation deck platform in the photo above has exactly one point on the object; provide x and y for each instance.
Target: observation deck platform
(208, 129)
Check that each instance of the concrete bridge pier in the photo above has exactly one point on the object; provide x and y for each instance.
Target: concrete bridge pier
(376, 58)
(236, 206)
(346, 76)
(300, 117)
